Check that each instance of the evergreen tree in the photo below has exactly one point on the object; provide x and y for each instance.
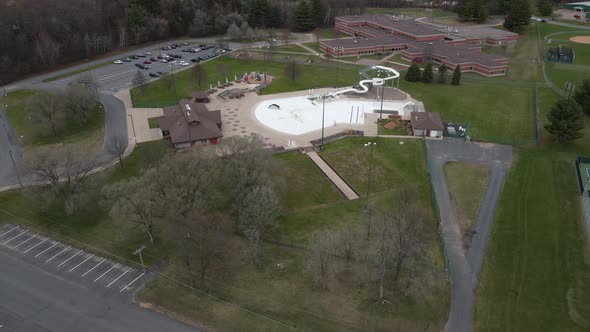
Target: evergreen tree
(519, 16)
(456, 75)
(427, 75)
(318, 12)
(465, 10)
(480, 11)
(442, 74)
(302, 16)
(582, 96)
(545, 7)
(413, 74)
(566, 120)
(273, 17)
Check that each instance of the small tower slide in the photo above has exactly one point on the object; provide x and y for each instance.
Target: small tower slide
(377, 81)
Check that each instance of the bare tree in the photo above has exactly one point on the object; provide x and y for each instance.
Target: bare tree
(79, 102)
(199, 75)
(323, 246)
(45, 108)
(286, 35)
(47, 49)
(204, 239)
(258, 212)
(139, 80)
(116, 145)
(292, 70)
(66, 169)
(135, 200)
(347, 242)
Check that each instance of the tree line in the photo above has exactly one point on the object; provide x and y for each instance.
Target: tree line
(69, 31)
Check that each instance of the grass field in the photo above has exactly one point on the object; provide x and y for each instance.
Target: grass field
(536, 276)
(538, 257)
(157, 94)
(75, 72)
(467, 184)
(411, 12)
(90, 224)
(32, 134)
(290, 48)
(508, 119)
(314, 46)
(153, 123)
(283, 289)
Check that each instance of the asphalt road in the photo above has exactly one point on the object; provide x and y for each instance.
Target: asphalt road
(465, 264)
(32, 299)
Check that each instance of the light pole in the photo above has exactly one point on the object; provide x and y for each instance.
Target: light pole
(323, 96)
(370, 145)
(335, 49)
(173, 80)
(133, 126)
(138, 252)
(382, 91)
(3, 88)
(15, 169)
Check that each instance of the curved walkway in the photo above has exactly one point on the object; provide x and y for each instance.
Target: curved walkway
(465, 264)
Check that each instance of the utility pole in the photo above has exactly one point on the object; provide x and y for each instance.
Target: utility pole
(323, 95)
(382, 92)
(371, 145)
(138, 252)
(15, 169)
(173, 80)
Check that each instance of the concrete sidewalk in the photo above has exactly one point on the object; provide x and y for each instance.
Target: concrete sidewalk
(335, 178)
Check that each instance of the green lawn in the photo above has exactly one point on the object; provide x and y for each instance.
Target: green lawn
(153, 123)
(290, 48)
(381, 130)
(467, 184)
(536, 276)
(90, 225)
(509, 119)
(75, 72)
(314, 46)
(412, 12)
(283, 290)
(32, 134)
(312, 76)
(329, 33)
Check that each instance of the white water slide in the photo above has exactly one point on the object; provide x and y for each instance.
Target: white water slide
(376, 81)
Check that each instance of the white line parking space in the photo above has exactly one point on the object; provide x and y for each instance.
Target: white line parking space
(69, 262)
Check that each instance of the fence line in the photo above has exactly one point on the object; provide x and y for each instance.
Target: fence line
(437, 210)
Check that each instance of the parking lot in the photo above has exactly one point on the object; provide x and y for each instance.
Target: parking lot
(68, 262)
(115, 77)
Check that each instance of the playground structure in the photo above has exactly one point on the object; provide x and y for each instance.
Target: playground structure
(255, 77)
(560, 54)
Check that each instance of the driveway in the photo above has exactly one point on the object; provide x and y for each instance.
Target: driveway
(50, 286)
(465, 265)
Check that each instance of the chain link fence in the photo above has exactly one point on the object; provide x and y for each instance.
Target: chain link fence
(437, 210)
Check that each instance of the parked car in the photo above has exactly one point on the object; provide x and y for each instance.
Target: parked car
(117, 62)
(195, 60)
(160, 72)
(147, 62)
(141, 55)
(153, 59)
(544, 21)
(184, 63)
(185, 44)
(154, 75)
(144, 67)
(127, 60)
(138, 65)
(148, 53)
(177, 56)
(163, 61)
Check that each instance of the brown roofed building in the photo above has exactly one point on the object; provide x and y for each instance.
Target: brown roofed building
(427, 124)
(200, 97)
(187, 122)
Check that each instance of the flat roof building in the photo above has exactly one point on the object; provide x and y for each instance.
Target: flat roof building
(419, 42)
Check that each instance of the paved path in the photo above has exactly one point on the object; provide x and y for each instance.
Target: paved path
(465, 265)
(335, 178)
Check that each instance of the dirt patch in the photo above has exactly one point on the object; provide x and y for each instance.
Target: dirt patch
(581, 39)
(391, 125)
(175, 316)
